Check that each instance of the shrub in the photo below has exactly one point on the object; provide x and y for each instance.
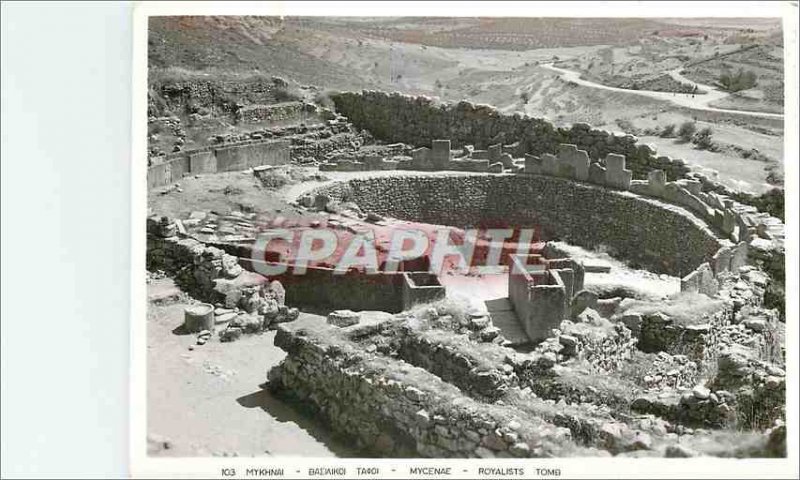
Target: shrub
(627, 126)
(741, 80)
(525, 97)
(668, 131)
(702, 139)
(686, 131)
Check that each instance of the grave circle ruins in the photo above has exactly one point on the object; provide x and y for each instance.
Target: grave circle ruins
(568, 362)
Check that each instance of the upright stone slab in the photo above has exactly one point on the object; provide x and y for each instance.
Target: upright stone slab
(507, 161)
(577, 269)
(578, 160)
(721, 261)
(420, 158)
(567, 277)
(616, 174)
(494, 152)
(549, 164)
(597, 174)
(547, 310)
(691, 282)
(708, 284)
(657, 180)
(729, 222)
(701, 281)
(533, 164)
(746, 227)
(440, 154)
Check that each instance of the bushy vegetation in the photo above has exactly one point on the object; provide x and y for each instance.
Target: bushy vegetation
(627, 126)
(741, 80)
(668, 131)
(702, 140)
(687, 131)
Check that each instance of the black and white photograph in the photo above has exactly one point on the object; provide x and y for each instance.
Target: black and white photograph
(465, 237)
(431, 243)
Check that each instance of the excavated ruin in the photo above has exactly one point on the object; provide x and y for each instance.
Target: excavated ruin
(404, 369)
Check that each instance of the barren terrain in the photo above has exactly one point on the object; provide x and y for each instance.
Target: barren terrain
(646, 78)
(507, 69)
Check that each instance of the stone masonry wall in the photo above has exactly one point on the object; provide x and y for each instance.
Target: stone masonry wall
(419, 120)
(218, 159)
(391, 408)
(658, 236)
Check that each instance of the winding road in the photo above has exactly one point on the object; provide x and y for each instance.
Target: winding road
(696, 102)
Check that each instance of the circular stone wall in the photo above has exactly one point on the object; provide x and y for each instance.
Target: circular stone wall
(647, 233)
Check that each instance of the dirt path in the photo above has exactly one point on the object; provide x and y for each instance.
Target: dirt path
(696, 102)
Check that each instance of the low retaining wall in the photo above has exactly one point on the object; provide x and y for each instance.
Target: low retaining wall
(272, 112)
(323, 288)
(208, 273)
(391, 408)
(218, 159)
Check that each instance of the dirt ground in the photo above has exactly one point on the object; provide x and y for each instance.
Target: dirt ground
(209, 401)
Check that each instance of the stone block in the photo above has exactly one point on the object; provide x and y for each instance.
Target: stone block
(549, 164)
(701, 281)
(506, 160)
(657, 180)
(547, 310)
(721, 261)
(578, 160)
(581, 301)
(420, 157)
(729, 222)
(229, 290)
(533, 164)
(597, 174)
(616, 174)
(494, 152)
(440, 153)
(343, 318)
